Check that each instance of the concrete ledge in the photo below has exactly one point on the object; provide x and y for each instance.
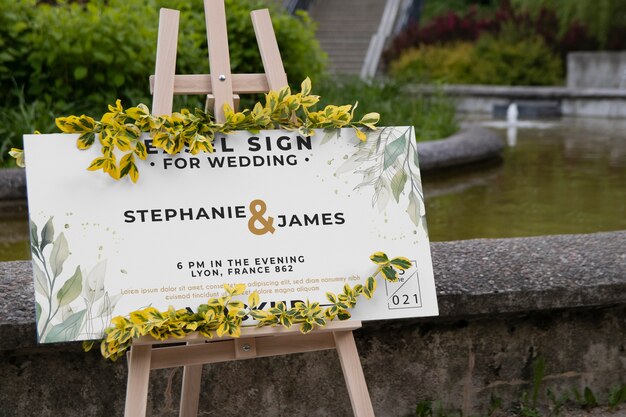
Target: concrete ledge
(585, 102)
(473, 277)
(12, 184)
(473, 145)
(520, 92)
(600, 69)
(503, 302)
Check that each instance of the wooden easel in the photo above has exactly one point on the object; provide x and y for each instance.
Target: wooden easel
(254, 342)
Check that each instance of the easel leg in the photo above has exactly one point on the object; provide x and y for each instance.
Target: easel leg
(190, 393)
(138, 378)
(353, 374)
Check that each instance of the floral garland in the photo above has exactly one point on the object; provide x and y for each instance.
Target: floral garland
(120, 129)
(224, 315)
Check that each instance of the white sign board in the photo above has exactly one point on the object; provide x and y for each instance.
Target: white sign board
(289, 216)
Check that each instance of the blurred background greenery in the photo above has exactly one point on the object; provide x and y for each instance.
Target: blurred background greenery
(71, 57)
(61, 57)
(503, 42)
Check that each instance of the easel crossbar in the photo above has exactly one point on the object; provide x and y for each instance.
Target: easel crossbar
(251, 331)
(201, 84)
(223, 351)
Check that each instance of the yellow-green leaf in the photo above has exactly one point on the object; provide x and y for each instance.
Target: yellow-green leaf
(140, 150)
(370, 118)
(379, 258)
(360, 134)
(235, 305)
(85, 140)
(222, 329)
(128, 167)
(18, 154)
(96, 164)
(343, 315)
(305, 87)
(306, 327)
(389, 273)
(401, 262)
(253, 299)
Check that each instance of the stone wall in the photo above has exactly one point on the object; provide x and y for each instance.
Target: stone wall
(503, 303)
(596, 70)
(575, 102)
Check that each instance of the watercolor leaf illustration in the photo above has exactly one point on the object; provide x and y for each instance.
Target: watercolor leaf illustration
(68, 329)
(387, 161)
(69, 306)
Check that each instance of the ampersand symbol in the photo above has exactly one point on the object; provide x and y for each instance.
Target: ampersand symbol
(257, 210)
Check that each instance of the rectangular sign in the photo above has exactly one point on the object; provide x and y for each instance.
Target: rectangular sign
(289, 216)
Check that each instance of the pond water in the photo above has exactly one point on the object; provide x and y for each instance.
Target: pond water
(567, 176)
(14, 243)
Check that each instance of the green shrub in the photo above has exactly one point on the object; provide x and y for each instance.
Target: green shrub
(300, 51)
(496, 61)
(525, 62)
(432, 116)
(21, 118)
(605, 19)
(91, 54)
(75, 58)
(450, 63)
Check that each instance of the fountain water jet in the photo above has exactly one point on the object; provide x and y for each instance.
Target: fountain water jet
(512, 124)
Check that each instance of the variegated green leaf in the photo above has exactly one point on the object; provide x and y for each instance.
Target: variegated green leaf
(401, 262)
(343, 315)
(140, 150)
(253, 299)
(331, 297)
(306, 327)
(85, 140)
(370, 287)
(379, 258)
(306, 87)
(236, 305)
(389, 273)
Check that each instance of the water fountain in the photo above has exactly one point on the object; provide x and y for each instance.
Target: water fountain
(511, 119)
(512, 123)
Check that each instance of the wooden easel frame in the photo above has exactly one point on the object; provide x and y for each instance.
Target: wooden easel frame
(254, 342)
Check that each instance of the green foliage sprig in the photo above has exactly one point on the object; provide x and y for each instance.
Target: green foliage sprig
(224, 315)
(120, 130)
